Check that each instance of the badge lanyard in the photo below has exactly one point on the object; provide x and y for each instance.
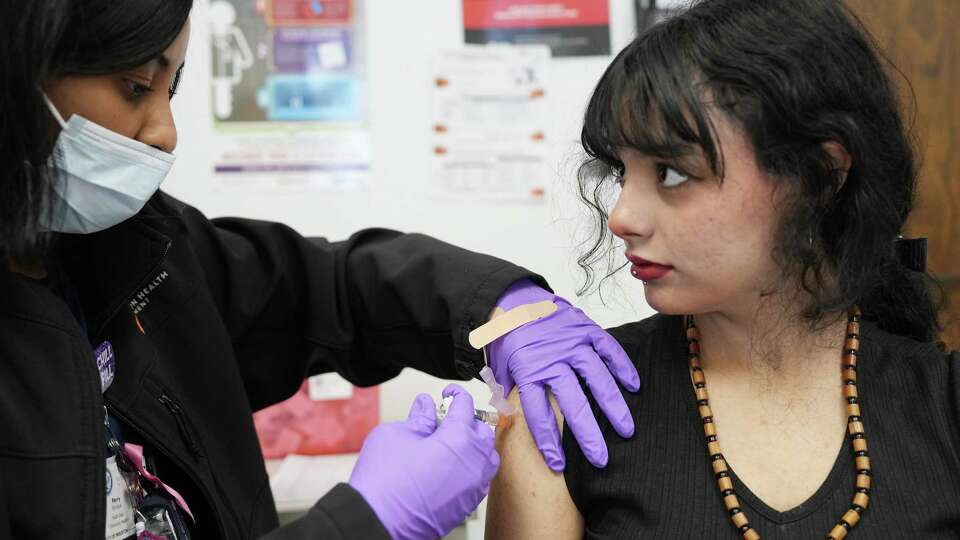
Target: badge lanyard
(155, 514)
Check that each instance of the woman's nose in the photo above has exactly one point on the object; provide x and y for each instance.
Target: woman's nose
(632, 215)
(159, 130)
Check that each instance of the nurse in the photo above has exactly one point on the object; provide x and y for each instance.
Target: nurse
(137, 336)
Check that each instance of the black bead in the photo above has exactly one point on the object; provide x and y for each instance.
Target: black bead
(744, 529)
(857, 436)
(844, 524)
(852, 352)
(726, 492)
(711, 438)
(716, 457)
(703, 402)
(722, 474)
(861, 453)
(853, 335)
(700, 385)
(734, 511)
(707, 419)
(853, 418)
(852, 367)
(857, 508)
(853, 400)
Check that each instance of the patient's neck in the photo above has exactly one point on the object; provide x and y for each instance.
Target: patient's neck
(769, 345)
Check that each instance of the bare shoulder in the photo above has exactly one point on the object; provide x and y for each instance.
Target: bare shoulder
(527, 499)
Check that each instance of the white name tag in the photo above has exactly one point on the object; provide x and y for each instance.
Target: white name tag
(120, 523)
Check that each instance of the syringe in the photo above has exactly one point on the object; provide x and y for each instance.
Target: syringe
(489, 418)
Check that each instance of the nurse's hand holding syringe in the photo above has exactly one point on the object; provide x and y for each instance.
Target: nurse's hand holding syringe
(422, 477)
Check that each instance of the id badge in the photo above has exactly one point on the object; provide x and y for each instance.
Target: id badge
(120, 512)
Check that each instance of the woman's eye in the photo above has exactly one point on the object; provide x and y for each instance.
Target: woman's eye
(670, 177)
(136, 89)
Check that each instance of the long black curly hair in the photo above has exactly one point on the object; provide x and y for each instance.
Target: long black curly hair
(793, 74)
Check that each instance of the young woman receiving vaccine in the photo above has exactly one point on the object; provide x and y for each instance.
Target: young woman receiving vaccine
(793, 383)
(137, 336)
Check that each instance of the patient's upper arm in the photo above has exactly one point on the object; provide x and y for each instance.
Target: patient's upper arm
(527, 499)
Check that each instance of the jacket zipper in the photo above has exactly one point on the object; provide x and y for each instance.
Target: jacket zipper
(169, 453)
(182, 424)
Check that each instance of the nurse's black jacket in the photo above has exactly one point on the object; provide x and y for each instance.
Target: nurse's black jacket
(211, 321)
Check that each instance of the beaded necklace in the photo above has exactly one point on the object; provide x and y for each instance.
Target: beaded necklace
(854, 427)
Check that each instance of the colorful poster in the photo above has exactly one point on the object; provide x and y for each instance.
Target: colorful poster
(490, 117)
(288, 90)
(568, 27)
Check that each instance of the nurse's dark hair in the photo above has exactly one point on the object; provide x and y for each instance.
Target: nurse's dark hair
(49, 38)
(792, 74)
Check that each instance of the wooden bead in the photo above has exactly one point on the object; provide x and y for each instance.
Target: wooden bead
(695, 347)
(705, 411)
(731, 501)
(851, 343)
(855, 427)
(863, 481)
(852, 517)
(853, 328)
(725, 483)
(702, 394)
(739, 520)
(863, 463)
(853, 409)
(698, 377)
(849, 375)
(838, 533)
(861, 500)
(692, 333)
(859, 445)
(719, 466)
(713, 448)
(710, 430)
(751, 535)
(850, 391)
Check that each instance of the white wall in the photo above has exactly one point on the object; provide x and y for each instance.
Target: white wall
(402, 35)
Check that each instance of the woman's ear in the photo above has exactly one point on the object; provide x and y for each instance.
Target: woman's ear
(840, 157)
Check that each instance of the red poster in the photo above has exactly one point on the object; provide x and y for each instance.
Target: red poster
(569, 27)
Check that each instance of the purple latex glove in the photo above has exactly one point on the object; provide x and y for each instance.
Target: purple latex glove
(549, 353)
(422, 480)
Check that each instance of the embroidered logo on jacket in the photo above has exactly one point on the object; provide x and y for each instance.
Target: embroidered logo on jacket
(142, 299)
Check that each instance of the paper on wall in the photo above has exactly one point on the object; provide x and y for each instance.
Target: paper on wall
(489, 122)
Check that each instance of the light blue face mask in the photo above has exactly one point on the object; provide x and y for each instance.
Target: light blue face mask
(104, 177)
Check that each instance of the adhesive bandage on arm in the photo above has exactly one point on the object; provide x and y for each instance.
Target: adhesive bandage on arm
(500, 325)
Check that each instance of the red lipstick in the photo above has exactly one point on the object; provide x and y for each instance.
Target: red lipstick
(645, 270)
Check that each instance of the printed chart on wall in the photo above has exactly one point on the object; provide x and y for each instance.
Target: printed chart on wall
(289, 93)
(568, 27)
(490, 116)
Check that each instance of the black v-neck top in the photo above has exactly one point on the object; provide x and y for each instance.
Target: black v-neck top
(659, 483)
